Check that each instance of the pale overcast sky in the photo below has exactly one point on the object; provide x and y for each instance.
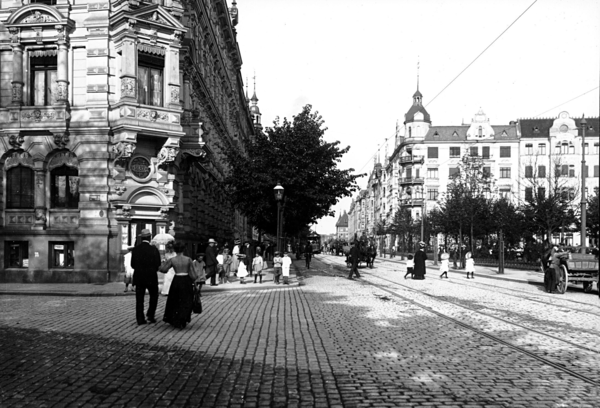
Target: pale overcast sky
(356, 63)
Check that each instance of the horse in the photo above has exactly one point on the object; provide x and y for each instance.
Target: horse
(371, 253)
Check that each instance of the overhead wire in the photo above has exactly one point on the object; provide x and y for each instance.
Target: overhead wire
(585, 93)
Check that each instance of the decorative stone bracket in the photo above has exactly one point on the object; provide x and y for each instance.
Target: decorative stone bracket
(169, 152)
(123, 151)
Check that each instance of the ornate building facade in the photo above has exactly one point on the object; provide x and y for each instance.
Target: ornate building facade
(113, 118)
(426, 157)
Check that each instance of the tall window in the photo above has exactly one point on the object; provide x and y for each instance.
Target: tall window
(596, 171)
(529, 148)
(504, 192)
(474, 151)
(453, 172)
(432, 152)
(504, 151)
(528, 193)
(504, 172)
(542, 148)
(485, 152)
(564, 148)
(43, 81)
(541, 171)
(432, 173)
(571, 170)
(564, 170)
(454, 151)
(529, 171)
(150, 80)
(571, 149)
(64, 187)
(586, 148)
(487, 171)
(596, 148)
(432, 194)
(541, 192)
(19, 187)
(480, 131)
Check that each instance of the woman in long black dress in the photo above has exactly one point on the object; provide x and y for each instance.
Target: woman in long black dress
(420, 258)
(178, 310)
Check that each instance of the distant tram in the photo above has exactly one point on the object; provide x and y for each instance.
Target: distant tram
(315, 242)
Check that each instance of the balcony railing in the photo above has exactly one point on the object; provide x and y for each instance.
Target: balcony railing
(411, 180)
(411, 159)
(411, 202)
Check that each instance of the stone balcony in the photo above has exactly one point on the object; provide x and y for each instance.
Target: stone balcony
(411, 180)
(411, 160)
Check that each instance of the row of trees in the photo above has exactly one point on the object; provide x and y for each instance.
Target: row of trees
(471, 210)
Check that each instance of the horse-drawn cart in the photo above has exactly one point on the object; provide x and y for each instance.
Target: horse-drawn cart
(578, 268)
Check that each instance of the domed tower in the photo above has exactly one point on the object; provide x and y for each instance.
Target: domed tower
(255, 111)
(417, 119)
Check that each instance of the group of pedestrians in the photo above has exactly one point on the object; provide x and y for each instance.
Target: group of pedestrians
(185, 277)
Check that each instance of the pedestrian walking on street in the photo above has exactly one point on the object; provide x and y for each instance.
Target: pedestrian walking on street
(286, 262)
(420, 258)
(277, 261)
(178, 310)
(445, 265)
(128, 270)
(354, 255)
(210, 260)
(393, 253)
(145, 261)
(470, 265)
(556, 254)
(248, 258)
(410, 267)
(257, 266)
(168, 278)
(227, 260)
(242, 270)
(308, 253)
(200, 271)
(220, 266)
(235, 259)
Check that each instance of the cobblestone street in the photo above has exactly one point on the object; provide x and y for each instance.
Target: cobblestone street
(329, 342)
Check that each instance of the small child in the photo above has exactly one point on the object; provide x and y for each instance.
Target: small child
(445, 266)
(128, 271)
(242, 271)
(410, 267)
(277, 260)
(286, 262)
(227, 259)
(220, 266)
(470, 265)
(200, 269)
(257, 266)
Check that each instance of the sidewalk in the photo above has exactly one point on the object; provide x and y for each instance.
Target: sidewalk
(117, 288)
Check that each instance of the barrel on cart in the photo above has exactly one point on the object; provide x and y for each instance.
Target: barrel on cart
(578, 268)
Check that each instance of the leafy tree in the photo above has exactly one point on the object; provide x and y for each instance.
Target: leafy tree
(405, 227)
(507, 218)
(593, 217)
(294, 154)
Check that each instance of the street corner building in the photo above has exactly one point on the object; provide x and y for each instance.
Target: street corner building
(113, 118)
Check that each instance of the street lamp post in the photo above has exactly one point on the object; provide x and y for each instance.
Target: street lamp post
(278, 191)
(583, 198)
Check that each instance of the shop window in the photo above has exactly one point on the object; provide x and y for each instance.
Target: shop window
(16, 254)
(64, 187)
(62, 255)
(19, 187)
(504, 151)
(150, 80)
(454, 151)
(44, 89)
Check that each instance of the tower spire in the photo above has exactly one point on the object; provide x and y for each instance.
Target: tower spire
(418, 63)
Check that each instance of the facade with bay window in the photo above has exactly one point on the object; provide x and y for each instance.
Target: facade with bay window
(112, 119)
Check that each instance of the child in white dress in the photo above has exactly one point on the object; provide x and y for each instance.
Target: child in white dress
(470, 265)
(410, 267)
(286, 262)
(445, 266)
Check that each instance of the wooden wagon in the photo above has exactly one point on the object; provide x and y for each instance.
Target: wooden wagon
(578, 268)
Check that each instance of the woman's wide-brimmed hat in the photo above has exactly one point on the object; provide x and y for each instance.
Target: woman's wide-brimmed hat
(212, 241)
(237, 242)
(422, 244)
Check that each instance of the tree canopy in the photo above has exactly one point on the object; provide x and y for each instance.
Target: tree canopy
(295, 155)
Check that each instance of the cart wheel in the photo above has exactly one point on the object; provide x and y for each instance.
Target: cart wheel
(587, 287)
(563, 280)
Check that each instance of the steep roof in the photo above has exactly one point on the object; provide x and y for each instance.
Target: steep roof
(459, 133)
(535, 127)
(342, 221)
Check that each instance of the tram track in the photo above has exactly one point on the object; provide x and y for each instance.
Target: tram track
(557, 365)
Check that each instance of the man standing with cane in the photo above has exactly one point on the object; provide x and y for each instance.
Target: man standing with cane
(210, 260)
(145, 261)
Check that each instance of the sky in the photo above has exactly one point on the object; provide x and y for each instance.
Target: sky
(357, 62)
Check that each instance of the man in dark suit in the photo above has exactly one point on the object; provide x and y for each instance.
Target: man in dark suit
(308, 252)
(354, 255)
(145, 261)
(249, 252)
(210, 261)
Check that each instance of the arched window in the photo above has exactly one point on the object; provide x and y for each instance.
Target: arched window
(480, 131)
(19, 187)
(64, 187)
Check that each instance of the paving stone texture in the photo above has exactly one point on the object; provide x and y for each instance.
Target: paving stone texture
(381, 341)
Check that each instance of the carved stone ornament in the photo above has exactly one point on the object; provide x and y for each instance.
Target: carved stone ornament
(40, 215)
(164, 213)
(157, 18)
(18, 158)
(39, 179)
(61, 140)
(120, 190)
(39, 17)
(124, 212)
(174, 93)
(124, 150)
(128, 87)
(60, 32)
(37, 115)
(63, 158)
(62, 91)
(16, 141)
(153, 115)
(17, 92)
(167, 155)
